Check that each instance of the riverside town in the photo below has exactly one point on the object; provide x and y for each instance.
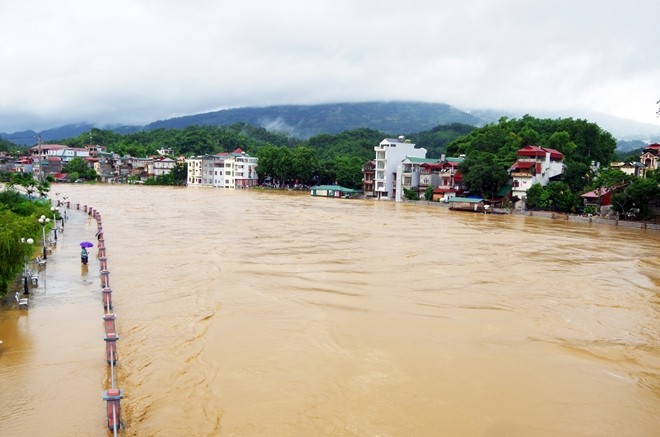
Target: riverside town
(347, 264)
(508, 167)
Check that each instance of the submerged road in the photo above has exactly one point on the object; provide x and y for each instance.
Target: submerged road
(52, 360)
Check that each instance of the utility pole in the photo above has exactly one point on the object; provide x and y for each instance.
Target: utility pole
(41, 160)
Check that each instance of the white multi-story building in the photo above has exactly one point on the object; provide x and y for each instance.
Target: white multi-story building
(224, 170)
(410, 173)
(534, 165)
(235, 170)
(165, 151)
(161, 166)
(50, 158)
(389, 153)
(200, 170)
(65, 153)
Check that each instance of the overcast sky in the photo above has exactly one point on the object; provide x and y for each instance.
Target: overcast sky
(138, 61)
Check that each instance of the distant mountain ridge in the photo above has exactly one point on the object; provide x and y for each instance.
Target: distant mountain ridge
(304, 121)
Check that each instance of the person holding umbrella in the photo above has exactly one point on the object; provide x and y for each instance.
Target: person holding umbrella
(84, 256)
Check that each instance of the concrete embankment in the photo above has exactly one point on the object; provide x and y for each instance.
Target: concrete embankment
(592, 219)
(563, 216)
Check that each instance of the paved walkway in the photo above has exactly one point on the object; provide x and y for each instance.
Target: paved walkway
(52, 359)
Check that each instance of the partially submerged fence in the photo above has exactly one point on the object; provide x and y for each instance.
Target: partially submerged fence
(113, 394)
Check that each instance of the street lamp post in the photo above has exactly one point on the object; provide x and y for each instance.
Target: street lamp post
(64, 217)
(43, 220)
(54, 209)
(26, 287)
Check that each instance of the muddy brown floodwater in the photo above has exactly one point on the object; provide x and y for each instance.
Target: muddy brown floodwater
(244, 313)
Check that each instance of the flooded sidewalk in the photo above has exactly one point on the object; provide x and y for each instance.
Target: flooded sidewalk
(53, 352)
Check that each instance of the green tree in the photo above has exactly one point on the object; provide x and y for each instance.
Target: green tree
(610, 177)
(328, 172)
(282, 165)
(410, 194)
(577, 175)
(304, 164)
(18, 219)
(586, 142)
(266, 161)
(349, 171)
(428, 193)
(529, 136)
(537, 197)
(561, 141)
(79, 165)
(436, 140)
(12, 252)
(636, 199)
(561, 197)
(5, 145)
(177, 176)
(482, 175)
(43, 188)
(27, 181)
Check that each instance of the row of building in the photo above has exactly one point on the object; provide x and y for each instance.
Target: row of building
(50, 159)
(400, 165)
(236, 169)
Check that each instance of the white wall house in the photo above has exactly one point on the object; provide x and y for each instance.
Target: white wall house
(534, 165)
(389, 153)
(164, 151)
(243, 170)
(224, 170)
(195, 173)
(161, 166)
(44, 155)
(409, 174)
(65, 153)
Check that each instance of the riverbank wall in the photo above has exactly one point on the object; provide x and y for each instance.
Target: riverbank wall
(590, 219)
(561, 216)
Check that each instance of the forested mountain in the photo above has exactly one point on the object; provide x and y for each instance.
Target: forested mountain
(297, 121)
(305, 121)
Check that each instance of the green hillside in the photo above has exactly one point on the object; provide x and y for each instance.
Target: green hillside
(305, 121)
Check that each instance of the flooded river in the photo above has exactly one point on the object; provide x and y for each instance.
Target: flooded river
(245, 313)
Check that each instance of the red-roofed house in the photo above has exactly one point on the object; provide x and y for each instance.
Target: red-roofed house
(449, 179)
(534, 165)
(601, 198)
(22, 165)
(650, 156)
(50, 158)
(368, 175)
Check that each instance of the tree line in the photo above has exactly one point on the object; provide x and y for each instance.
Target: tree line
(19, 214)
(326, 159)
(283, 160)
(588, 151)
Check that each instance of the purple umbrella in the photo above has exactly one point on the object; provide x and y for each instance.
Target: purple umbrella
(86, 244)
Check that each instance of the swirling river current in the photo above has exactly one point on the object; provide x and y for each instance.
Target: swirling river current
(261, 313)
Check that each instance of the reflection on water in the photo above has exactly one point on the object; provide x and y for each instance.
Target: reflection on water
(249, 313)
